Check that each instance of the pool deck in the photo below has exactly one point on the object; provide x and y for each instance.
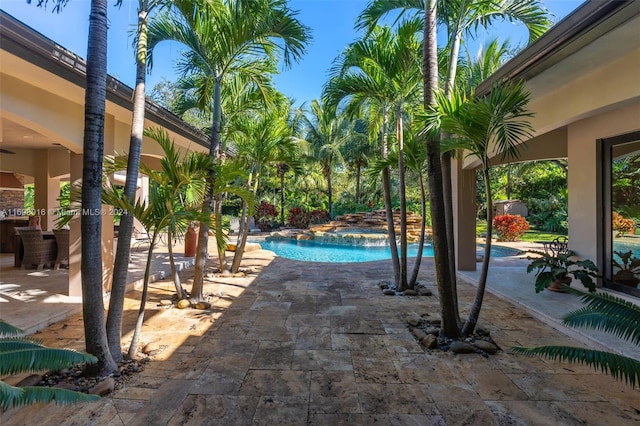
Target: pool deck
(296, 343)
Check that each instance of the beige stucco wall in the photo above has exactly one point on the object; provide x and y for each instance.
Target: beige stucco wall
(584, 180)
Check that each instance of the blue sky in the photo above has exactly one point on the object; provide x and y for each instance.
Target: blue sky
(331, 22)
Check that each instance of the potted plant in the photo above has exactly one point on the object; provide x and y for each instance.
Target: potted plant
(554, 270)
(627, 269)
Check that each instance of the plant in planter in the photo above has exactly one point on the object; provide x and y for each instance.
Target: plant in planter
(554, 270)
(627, 269)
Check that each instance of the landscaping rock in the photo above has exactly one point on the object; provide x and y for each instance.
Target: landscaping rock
(413, 320)
(410, 293)
(430, 341)
(183, 304)
(202, 305)
(389, 292)
(461, 347)
(418, 333)
(104, 387)
(433, 330)
(165, 302)
(488, 347)
(383, 285)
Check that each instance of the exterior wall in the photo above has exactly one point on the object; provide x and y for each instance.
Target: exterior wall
(586, 225)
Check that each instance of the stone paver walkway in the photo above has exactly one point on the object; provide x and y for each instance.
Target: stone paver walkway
(304, 343)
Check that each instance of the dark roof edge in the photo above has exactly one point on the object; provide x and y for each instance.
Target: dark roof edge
(562, 40)
(30, 45)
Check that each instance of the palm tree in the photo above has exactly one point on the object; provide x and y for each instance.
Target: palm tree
(123, 250)
(497, 123)
(91, 224)
(23, 355)
(459, 17)
(261, 140)
(326, 132)
(226, 37)
(164, 209)
(384, 67)
(357, 151)
(607, 313)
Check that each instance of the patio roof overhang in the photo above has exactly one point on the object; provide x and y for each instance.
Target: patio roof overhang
(29, 58)
(584, 65)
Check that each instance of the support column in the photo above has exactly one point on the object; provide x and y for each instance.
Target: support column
(75, 242)
(464, 215)
(47, 191)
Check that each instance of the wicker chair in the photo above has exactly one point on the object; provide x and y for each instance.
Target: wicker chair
(37, 250)
(62, 241)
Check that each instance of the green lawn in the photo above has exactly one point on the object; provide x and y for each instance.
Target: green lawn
(531, 235)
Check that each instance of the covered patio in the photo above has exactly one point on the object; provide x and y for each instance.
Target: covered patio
(41, 122)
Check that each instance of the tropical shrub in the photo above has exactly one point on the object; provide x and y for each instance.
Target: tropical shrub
(549, 214)
(265, 216)
(602, 312)
(318, 216)
(510, 227)
(23, 355)
(298, 218)
(621, 225)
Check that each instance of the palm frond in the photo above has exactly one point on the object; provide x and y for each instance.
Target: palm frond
(33, 359)
(11, 396)
(618, 366)
(607, 313)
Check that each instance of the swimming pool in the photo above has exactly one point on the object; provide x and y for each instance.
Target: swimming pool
(311, 251)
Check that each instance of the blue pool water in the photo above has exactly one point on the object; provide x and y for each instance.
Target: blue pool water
(311, 251)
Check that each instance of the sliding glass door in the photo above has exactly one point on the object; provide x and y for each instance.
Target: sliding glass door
(622, 213)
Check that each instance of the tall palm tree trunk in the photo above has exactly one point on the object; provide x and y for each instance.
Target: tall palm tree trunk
(391, 232)
(242, 237)
(423, 211)
(472, 320)
(281, 198)
(448, 309)
(182, 294)
(123, 250)
(327, 173)
(358, 172)
(447, 174)
(133, 347)
(403, 285)
(91, 224)
(203, 233)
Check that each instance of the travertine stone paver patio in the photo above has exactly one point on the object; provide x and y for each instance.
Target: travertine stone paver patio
(304, 343)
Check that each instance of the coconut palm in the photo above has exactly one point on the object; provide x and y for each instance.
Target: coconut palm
(494, 125)
(384, 67)
(24, 355)
(223, 37)
(606, 313)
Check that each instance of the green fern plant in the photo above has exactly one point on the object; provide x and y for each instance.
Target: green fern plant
(23, 355)
(607, 313)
